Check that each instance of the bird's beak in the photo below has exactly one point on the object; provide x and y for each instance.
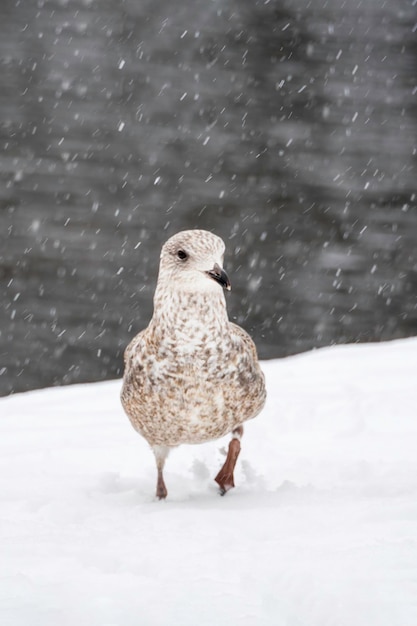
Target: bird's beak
(219, 275)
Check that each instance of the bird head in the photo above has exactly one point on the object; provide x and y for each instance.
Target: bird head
(192, 261)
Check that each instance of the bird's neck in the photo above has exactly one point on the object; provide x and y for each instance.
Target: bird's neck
(181, 316)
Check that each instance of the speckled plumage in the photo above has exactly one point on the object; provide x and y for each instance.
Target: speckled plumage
(191, 375)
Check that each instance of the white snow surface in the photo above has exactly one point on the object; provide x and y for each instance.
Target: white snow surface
(321, 529)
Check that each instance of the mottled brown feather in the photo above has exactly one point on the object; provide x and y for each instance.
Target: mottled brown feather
(191, 375)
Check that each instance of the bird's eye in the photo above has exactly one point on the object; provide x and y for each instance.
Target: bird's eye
(182, 255)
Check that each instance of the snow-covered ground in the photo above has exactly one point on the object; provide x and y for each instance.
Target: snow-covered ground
(321, 529)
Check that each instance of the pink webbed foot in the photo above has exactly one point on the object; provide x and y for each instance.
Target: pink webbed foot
(225, 478)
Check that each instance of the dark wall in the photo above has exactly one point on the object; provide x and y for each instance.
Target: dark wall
(288, 128)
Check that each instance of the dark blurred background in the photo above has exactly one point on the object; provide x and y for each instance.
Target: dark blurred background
(286, 127)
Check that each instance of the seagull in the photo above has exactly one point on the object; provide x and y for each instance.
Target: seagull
(192, 375)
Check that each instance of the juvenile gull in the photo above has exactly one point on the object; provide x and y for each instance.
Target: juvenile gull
(192, 376)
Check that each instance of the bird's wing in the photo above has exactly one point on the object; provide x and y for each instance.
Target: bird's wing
(242, 336)
(133, 347)
(249, 372)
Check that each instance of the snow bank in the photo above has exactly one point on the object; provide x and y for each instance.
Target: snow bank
(320, 531)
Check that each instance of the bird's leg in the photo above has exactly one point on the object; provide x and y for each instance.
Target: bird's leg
(161, 453)
(225, 478)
